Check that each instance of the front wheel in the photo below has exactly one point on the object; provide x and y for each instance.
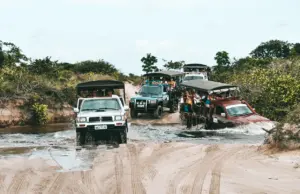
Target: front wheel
(123, 137)
(158, 112)
(80, 138)
(133, 113)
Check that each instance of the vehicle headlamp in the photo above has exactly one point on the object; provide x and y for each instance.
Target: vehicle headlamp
(118, 118)
(81, 119)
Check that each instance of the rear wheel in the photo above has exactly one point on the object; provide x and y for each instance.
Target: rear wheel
(208, 124)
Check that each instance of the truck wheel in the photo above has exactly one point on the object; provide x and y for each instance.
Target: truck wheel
(80, 138)
(133, 113)
(174, 107)
(123, 137)
(158, 112)
(208, 124)
(89, 138)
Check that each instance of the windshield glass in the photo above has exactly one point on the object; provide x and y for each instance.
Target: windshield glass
(151, 90)
(188, 78)
(238, 110)
(100, 104)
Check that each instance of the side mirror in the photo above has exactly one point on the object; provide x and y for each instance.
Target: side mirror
(223, 115)
(76, 110)
(126, 108)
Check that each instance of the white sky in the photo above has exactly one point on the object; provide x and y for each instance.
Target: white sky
(123, 31)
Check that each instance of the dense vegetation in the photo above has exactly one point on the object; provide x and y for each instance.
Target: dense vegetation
(44, 83)
(269, 77)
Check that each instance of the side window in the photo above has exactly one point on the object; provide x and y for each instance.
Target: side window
(121, 99)
(219, 110)
(79, 103)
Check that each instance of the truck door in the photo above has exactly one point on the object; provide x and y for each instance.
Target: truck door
(219, 116)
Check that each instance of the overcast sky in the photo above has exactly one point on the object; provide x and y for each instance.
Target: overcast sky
(123, 31)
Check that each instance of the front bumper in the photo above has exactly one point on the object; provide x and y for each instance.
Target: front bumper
(103, 126)
(143, 108)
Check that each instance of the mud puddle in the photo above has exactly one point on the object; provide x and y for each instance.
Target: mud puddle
(58, 143)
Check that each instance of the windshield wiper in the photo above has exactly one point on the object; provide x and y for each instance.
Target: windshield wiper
(107, 109)
(88, 109)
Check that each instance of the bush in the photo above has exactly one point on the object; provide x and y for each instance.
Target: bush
(40, 113)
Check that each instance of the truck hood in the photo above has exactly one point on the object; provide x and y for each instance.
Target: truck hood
(250, 119)
(139, 97)
(100, 114)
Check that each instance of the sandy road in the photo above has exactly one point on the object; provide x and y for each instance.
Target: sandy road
(169, 168)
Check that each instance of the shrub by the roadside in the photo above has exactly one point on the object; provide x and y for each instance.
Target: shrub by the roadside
(39, 114)
(286, 135)
(273, 91)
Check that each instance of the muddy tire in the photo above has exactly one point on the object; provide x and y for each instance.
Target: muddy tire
(123, 137)
(173, 107)
(80, 138)
(158, 112)
(133, 113)
(208, 124)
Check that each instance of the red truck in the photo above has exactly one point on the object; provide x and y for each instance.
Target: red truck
(226, 111)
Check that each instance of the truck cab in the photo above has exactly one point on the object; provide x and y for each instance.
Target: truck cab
(101, 116)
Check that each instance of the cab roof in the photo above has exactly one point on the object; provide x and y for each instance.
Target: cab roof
(165, 73)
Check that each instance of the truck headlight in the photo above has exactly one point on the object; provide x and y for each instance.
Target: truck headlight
(152, 101)
(118, 118)
(81, 119)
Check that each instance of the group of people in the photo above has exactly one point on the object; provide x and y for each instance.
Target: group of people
(168, 84)
(96, 93)
(204, 101)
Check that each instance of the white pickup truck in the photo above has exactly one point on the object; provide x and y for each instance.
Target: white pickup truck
(101, 117)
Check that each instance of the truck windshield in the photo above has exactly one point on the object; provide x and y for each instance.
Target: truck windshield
(188, 78)
(151, 90)
(238, 110)
(100, 105)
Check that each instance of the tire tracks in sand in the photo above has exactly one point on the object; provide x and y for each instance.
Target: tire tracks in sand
(20, 182)
(161, 151)
(127, 171)
(195, 174)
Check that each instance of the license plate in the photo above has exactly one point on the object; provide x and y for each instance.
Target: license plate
(140, 105)
(99, 127)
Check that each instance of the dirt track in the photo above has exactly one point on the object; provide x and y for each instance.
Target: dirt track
(158, 168)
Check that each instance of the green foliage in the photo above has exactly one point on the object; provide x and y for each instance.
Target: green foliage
(269, 80)
(12, 54)
(99, 66)
(272, 49)
(1, 56)
(222, 58)
(40, 113)
(272, 91)
(149, 62)
(174, 65)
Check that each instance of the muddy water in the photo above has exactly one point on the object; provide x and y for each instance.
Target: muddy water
(57, 142)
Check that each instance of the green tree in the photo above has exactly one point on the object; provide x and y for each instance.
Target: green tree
(272, 49)
(149, 62)
(174, 65)
(295, 51)
(43, 66)
(222, 58)
(99, 66)
(12, 55)
(1, 56)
